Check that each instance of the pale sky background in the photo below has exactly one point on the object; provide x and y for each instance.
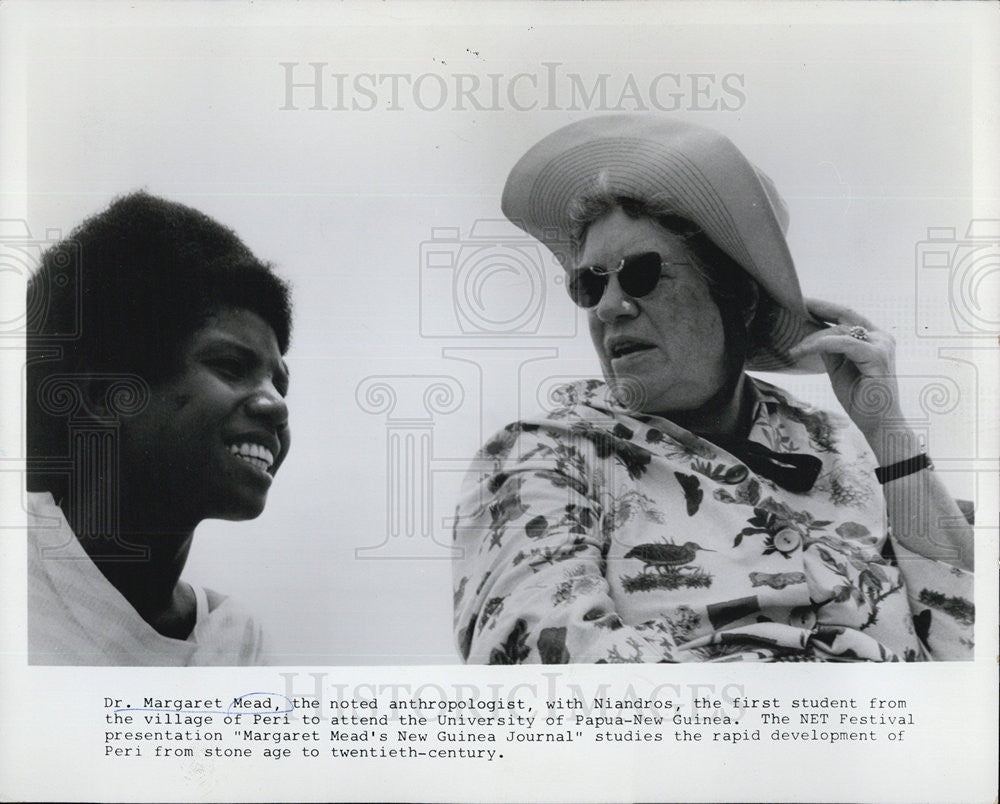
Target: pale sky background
(866, 130)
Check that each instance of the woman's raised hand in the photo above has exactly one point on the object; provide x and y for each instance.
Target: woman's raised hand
(860, 359)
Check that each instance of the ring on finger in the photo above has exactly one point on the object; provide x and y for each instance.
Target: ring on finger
(859, 333)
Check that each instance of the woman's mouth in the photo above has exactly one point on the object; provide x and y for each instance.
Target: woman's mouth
(257, 455)
(625, 347)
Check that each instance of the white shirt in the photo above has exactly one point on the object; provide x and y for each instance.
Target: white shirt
(77, 617)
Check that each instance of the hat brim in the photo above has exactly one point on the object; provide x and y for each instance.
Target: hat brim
(707, 180)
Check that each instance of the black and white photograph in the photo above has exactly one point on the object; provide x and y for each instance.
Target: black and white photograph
(375, 375)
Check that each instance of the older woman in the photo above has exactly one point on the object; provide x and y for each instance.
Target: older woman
(682, 510)
(155, 400)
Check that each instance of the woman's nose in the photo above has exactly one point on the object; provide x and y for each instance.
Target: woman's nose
(266, 403)
(615, 303)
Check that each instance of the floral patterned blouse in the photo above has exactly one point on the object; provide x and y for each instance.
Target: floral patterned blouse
(599, 535)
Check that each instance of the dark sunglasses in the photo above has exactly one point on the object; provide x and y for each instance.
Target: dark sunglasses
(637, 276)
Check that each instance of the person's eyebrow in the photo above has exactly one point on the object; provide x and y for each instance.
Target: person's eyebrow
(603, 264)
(223, 341)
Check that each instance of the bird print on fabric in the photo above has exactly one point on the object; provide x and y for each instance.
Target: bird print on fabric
(672, 563)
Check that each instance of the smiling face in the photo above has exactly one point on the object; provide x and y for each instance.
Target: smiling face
(667, 349)
(214, 433)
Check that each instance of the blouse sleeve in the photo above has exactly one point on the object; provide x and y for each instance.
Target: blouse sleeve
(940, 598)
(529, 575)
(940, 594)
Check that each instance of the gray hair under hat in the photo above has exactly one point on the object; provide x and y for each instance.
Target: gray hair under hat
(707, 180)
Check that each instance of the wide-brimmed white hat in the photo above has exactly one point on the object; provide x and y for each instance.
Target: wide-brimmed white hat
(707, 180)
